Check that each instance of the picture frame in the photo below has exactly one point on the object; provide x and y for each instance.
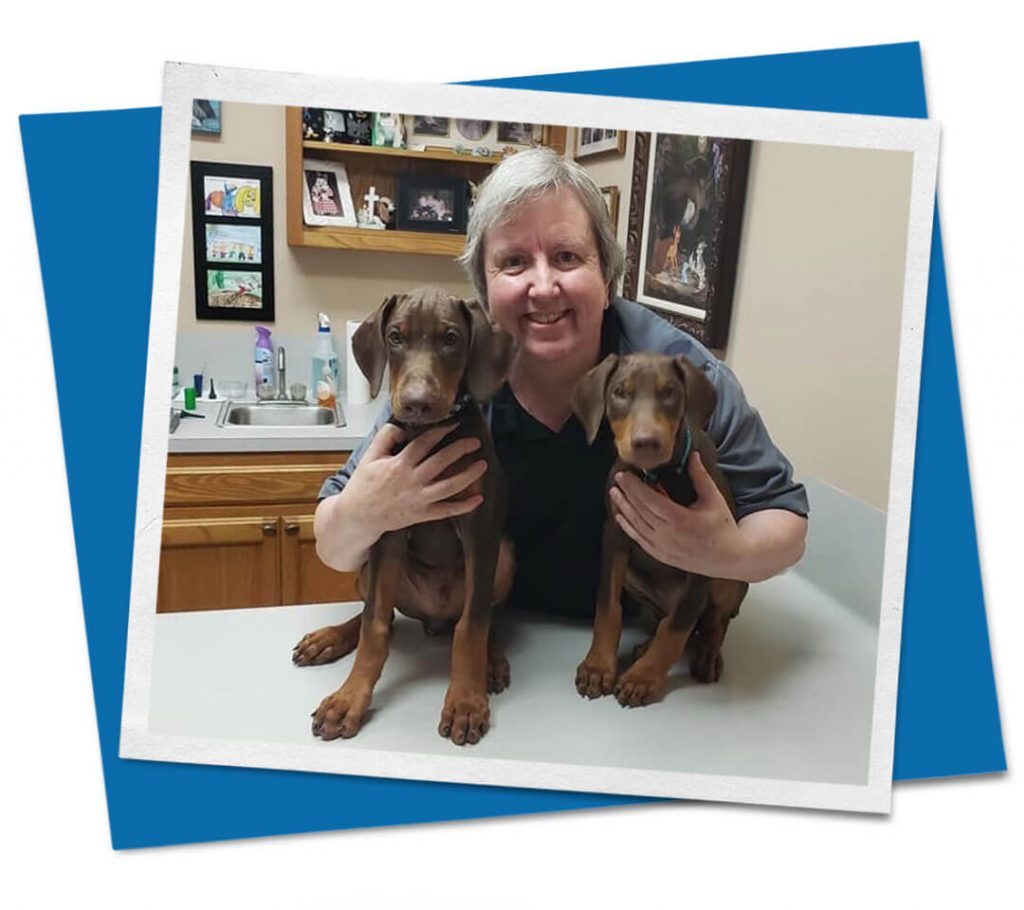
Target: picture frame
(516, 133)
(682, 245)
(233, 241)
(433, 204)
(205, 117)
(424, 125)
(591, 140)
(473, 130)
(611, 199)
(326, 194)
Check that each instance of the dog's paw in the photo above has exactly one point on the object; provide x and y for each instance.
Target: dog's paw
(341, 713)
(706, 666)
(326, 645)
(639, 685)
(465, 716)
(596, 676)
(498, 674)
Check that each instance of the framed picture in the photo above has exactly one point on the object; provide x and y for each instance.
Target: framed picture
(313, 124)
(358, 128)
(516, 133)
(611, 199)
(334, 125)
(205, 116)
(593, 140)
(423, 125)
(326, 197)
(473, 130)
(436, 204)
(233, 241)
(685, 213)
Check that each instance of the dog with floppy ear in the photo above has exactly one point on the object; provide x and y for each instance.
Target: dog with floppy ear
(446, 358)
(657, 407)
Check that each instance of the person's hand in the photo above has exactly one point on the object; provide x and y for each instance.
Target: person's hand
(396, 491)
(702, 538)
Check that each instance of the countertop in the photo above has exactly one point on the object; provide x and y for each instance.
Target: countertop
(794, 703)
(194, 435)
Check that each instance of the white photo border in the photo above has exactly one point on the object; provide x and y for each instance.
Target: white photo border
(183, 82)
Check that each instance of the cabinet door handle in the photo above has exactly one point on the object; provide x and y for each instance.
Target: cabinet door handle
(291, 528)
(270, 529)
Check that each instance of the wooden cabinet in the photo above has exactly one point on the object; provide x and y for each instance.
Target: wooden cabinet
(238, 532)
(379, 166)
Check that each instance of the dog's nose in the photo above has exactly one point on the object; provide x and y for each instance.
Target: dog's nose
(645, 443)
(417, 403)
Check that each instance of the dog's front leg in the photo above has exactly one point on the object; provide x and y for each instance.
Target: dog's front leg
(341, 713)
(596, 675)
(644, 682)
(466, 714)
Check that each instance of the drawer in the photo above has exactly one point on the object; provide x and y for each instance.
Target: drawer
(251, 480)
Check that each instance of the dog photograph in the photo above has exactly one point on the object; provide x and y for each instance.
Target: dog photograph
(548, 499)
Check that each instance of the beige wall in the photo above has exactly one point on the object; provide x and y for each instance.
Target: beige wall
(816, 319)
(816, 314)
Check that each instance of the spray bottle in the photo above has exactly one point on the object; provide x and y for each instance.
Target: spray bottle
(325, 363)
(263, 359)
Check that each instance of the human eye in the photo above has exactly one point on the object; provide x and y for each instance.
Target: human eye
(512, 262)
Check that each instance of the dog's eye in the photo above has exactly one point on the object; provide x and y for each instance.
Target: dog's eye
(619, 391)
(394, 338)
(668, 393)
(451, 338)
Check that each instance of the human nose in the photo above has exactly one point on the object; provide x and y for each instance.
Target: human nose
(544, 280)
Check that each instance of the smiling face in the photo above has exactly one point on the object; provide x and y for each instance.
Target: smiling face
(544, 280)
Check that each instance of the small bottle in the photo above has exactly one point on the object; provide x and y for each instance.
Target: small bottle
(263, 359)
(324, 354)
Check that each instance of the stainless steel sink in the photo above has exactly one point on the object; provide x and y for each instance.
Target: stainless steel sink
(278, 414)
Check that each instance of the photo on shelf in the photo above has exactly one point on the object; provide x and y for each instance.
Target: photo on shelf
(326, 195)
(433, 204)
(423, 125)
(516, 133)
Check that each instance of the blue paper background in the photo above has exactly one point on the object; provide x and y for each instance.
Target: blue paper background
(948, 719)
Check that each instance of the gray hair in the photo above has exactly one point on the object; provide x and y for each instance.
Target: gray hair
(529, 175)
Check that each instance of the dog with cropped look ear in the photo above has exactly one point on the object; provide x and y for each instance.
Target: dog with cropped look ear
(446, 359)
(657, 407)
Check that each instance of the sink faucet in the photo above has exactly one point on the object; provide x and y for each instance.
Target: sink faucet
(282, 395)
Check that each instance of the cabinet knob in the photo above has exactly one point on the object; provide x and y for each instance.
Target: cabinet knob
(291, 528)
(270, 529)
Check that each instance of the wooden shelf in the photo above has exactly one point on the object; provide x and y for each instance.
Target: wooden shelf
(381, 167)
(381, 241)
(318, 148)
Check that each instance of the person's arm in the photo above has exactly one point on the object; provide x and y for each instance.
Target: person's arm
(703, 537)
(771, 530)
(388, 491)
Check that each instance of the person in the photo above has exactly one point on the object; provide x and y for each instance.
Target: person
(542, 256)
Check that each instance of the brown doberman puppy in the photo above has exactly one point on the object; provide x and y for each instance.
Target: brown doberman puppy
(446, 358)
(657, 406)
